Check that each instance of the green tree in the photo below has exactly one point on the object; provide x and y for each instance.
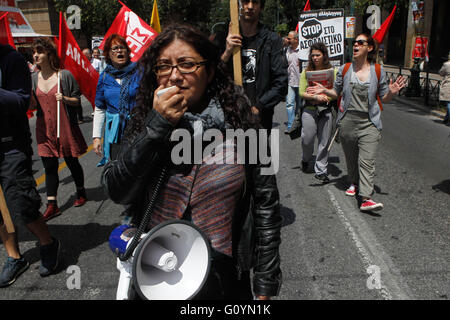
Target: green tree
(96, 15)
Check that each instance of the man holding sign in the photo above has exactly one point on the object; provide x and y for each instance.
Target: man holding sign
(264, 67)
(18, 192)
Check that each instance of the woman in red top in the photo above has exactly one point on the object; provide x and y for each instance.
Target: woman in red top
(70, 144)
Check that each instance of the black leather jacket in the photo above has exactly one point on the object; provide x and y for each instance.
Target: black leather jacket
(256, 225)
(271, 68)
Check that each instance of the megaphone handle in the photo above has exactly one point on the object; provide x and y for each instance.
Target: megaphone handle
(124, 279)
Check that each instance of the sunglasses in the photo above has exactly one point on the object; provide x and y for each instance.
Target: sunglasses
(359, 42)
(254, 1)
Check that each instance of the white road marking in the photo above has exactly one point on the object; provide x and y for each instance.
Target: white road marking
(370, 250)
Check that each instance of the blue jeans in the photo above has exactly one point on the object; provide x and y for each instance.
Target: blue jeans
(447, 116)
(292, 105)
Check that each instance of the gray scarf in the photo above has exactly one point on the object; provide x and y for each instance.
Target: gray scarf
(212, 117)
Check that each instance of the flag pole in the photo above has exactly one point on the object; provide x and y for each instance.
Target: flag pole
(237, 64)
(58, 120)
(5, 213)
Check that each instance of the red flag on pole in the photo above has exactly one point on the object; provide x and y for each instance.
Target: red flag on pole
(136, 31)
(381, 33)
(306, 8)
(76, 62)
(5, 31)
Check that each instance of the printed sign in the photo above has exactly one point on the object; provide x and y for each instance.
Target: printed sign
(421, 48)
(350, 27)
(325, 26)
(96, 41)
(324, 77)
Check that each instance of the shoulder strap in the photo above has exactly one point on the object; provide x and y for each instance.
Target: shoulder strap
(378, 72)
(346, 67)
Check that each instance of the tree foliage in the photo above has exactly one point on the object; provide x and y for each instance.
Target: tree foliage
(97, 15)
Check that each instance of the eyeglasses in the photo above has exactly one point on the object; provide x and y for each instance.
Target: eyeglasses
(254, 1)
(184, 67)
(359, 42)
(117, 48)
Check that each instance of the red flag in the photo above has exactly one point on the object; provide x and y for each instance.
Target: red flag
(5, 32)
(76, 62)
(379, 35)
(136, 31)
(307, 6)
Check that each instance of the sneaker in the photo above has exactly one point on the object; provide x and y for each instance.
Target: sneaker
(79, 202)
(49, 258)
(51, 212)
(351, 191)
(322, 177)
(12, 269)
(370, 205)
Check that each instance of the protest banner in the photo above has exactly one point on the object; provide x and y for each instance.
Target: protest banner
(137, 33)
(76, 62)
(325, 26)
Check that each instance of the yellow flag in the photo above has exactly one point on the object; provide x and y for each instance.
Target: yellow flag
(154, 22)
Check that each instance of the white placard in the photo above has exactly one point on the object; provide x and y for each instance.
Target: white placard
(325, 26)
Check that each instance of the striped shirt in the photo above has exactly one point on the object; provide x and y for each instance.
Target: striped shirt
(210, 191)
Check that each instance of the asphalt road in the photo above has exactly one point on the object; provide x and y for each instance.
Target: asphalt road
(330, 250)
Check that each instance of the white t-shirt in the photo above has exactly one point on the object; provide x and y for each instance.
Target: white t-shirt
(96, 63)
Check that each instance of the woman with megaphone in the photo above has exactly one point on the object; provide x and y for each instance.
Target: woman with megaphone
(234, 205)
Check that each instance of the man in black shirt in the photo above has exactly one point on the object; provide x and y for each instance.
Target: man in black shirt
(264, 66)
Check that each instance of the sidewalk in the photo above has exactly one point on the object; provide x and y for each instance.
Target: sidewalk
(419, 104)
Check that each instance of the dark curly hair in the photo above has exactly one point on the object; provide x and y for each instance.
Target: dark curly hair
(320, 46)
(233, 101)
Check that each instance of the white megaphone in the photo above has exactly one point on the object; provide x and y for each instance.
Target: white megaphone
(171, 261)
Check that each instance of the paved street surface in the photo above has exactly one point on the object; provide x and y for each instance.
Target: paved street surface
(330, 249)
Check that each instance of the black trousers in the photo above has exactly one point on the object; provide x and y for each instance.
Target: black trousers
(223, 283)
(266, 119)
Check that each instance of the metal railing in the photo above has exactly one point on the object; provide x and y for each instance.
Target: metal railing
(429, 88)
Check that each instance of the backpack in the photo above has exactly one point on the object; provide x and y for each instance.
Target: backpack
(377, 71)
